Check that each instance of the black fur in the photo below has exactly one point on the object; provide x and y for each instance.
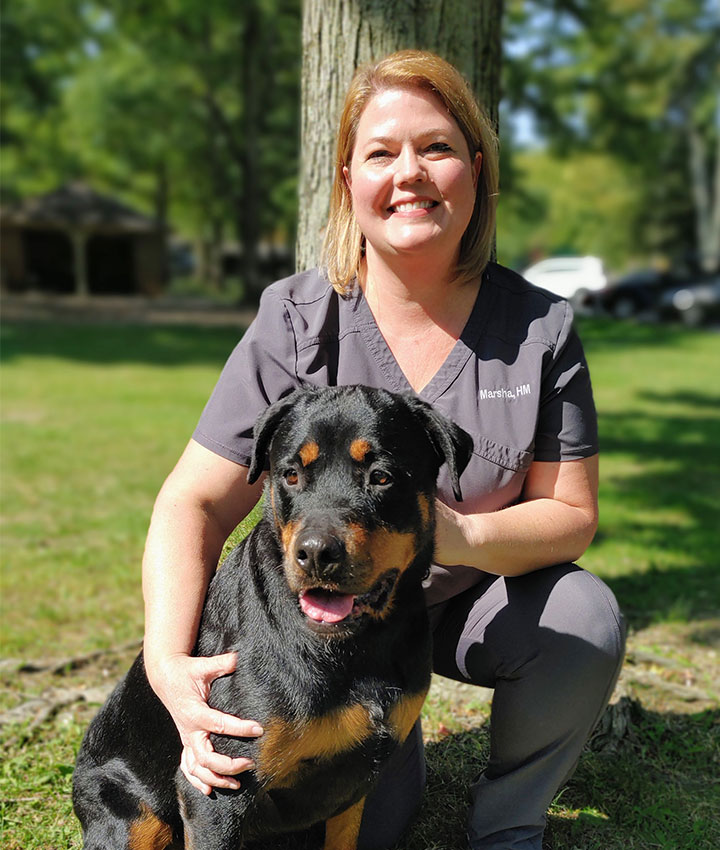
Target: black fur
(368, 474)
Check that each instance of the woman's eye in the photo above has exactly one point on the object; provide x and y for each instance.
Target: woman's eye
(291, 477)
(380, 154)
(439, 147)
(380, 477)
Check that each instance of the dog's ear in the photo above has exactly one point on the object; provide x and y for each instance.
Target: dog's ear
(453, 445)
(264, 431)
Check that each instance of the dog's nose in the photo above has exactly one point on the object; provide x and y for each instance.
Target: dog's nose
(319, 552)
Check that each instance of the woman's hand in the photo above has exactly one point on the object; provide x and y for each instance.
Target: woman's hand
(183, 684)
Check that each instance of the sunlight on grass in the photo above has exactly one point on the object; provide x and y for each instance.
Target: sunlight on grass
(90, 430)
(658, 403)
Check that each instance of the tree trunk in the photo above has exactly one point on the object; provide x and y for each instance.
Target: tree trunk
(339, 35)
(706, 198)
(247, 206)
(162, 203)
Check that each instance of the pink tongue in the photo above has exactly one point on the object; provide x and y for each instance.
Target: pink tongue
(325, 607)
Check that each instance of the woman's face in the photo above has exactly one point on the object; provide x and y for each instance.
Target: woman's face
(411, 176)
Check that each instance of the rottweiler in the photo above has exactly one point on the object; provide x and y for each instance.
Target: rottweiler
(323, 601)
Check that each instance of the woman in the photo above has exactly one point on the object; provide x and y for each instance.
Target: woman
(415, 304)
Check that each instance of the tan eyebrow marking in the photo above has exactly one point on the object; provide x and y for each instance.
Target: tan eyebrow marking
(308, 453)
(358, 449)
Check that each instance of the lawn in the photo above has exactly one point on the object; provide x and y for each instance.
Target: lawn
(93, 417)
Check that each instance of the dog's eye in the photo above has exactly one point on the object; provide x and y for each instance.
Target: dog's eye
(291, 477)
(380, 477)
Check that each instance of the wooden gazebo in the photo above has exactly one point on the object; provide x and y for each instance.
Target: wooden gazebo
(74, 240)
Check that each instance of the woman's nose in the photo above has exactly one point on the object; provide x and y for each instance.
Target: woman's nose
(409, 167)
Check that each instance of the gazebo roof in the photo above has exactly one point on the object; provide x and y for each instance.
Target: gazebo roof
(76, 205)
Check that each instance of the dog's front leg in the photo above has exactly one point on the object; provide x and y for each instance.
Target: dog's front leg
(215, 822)
(341, 832)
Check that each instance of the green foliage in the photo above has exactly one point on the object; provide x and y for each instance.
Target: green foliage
(139, 97)
(190, 111)
(565, 206)
(635, 80)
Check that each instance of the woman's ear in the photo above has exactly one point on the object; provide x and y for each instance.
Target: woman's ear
(477, 167)
(346, 175)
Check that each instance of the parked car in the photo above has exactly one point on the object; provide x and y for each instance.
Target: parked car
(635, 293)
(574, 278)
(695, 303)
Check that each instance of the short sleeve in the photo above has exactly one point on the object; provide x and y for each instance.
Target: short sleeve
(260, 370)
(567, 422)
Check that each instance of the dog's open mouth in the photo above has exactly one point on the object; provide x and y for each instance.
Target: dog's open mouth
(329, 606)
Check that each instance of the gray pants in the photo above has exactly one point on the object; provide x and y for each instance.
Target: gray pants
(551, 645)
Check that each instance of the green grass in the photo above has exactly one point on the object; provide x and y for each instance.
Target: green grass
(658, 397)
(93, 419)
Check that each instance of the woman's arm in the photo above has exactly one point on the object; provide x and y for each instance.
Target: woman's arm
(554, 524)
(200, 503)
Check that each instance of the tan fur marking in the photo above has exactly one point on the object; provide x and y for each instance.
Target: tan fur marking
(424, 507)
(358, 449)
(285, 745)
(379, 552)
(148, 832)
(404, 714)
(341, 832)
(309, 453)
(356, 540)
(390, 550)
(288, 534)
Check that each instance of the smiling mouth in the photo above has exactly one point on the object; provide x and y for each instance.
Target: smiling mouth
(330, 607)
(412, 206)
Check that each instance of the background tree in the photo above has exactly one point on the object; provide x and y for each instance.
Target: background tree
(337, 37)
(638, 81)
(190, 110)
(42, 44)
(186, 108)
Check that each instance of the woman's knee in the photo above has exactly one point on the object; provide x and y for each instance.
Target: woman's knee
(579, 633)
(580, 605)
(551, 614)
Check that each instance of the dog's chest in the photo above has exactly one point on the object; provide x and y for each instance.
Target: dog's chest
(290, 748)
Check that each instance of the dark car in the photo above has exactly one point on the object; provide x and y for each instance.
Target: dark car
(636, 293)
(695, 303)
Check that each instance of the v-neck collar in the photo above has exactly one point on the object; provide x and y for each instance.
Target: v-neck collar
(453, 364)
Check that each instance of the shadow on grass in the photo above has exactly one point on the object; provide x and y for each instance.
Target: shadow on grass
(110, 344)
(651, 791)
(668, 501)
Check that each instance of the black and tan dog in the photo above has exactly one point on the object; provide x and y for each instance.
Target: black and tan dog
(323, 601)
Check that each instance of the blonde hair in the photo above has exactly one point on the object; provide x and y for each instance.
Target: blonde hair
(343, 244)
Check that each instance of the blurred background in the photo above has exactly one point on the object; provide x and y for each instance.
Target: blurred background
(134, 165)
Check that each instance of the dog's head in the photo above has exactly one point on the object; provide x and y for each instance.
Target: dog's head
(351, 492)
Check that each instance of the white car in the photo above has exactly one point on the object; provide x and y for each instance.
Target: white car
(572, 278)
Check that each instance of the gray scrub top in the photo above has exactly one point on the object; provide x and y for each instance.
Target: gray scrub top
(516, 380)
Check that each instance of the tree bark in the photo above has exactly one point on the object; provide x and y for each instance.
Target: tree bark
(706, 196)
(248, 225)
(339, 35)
(162, 203)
